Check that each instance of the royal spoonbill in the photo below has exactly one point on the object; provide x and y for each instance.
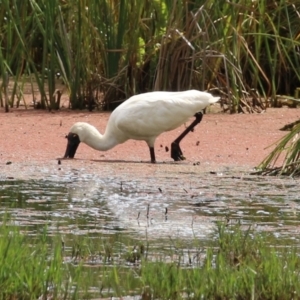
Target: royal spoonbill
(144, 117)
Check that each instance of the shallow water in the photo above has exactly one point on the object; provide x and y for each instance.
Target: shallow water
(156, 208)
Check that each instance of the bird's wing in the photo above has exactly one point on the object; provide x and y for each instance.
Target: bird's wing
(153, 113)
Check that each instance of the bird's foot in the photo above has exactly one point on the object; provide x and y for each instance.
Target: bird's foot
(176, 152)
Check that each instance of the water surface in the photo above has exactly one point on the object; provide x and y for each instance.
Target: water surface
(156, 208)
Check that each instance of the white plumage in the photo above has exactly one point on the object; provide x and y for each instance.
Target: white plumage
(143, 117)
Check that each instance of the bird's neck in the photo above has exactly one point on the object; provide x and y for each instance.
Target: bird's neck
(101, 142)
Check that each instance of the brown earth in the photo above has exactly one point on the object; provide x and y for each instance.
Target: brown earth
(35, 138)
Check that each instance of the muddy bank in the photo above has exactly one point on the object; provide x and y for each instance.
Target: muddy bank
(33, 138)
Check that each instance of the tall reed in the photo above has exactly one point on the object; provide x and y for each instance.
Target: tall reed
(108, 50)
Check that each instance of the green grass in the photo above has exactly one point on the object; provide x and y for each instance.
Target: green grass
(29, 271)
(239, 265)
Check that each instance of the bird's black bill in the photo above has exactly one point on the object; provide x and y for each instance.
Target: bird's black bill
(73, 143)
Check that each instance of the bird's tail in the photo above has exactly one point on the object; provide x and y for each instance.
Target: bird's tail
(214, 99)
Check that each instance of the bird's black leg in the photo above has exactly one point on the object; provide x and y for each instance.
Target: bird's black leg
(176, 152)
(152, 155)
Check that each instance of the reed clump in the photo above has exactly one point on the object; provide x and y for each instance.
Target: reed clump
(104, 51)
(284, 159)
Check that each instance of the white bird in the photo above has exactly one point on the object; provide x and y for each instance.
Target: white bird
(143, 117)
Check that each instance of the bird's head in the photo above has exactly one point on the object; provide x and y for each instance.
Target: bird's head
(79, 132)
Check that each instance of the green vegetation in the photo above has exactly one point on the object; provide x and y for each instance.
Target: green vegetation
(240, 265)
(107, 50)
(29, 271)
(287, 149)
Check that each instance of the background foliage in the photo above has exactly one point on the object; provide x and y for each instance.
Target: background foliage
(108, 50)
